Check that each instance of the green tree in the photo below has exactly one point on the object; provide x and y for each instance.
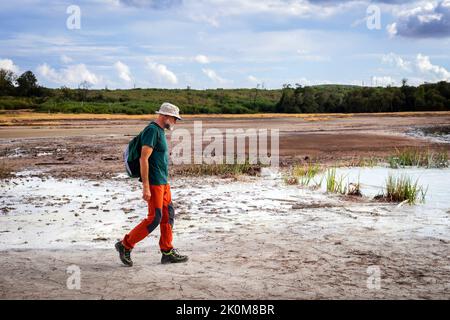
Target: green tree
(309, 101)
(419, 97)
(287, 100)
(66, 93)
(27, 84)
(409, 102)
(7, 79)
(435, 101)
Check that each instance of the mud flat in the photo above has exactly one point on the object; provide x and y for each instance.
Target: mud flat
(254, 238)
(65, 201)
(92, 148)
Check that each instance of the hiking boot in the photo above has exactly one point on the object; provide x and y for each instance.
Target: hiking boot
(172, 256)
(124, 254)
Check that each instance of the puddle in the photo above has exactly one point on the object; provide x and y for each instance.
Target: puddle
(435, 134)
(373, 180)
(429, 219)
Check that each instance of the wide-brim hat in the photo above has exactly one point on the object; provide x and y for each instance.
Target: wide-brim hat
(169, 109)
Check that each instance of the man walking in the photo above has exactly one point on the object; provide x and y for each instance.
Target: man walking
(147, 156)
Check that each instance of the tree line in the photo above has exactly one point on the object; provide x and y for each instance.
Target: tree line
(354, 99)
(25, 85)
(24, 91)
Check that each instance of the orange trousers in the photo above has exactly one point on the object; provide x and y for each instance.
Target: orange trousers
(160, 212)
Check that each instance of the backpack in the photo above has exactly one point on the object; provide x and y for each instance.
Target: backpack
(132, 166)
(131, 156)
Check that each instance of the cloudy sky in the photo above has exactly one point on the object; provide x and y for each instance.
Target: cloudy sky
(226, 43)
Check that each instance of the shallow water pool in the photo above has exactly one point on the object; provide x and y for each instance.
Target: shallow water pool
(373, 180)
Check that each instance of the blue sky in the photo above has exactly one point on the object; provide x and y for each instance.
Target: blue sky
(226, 43)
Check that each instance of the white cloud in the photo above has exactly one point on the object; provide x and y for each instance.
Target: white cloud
(8, 64)
(72, 75)
(305, 55)
(152, 4)
(253, 79)
(66, 59)
(161, 73)
(397, 61)
(306, 82)
(202, 59)
(180, 59)
(392, 29)
(214, 76)
(211, 20)
(420, 68)
(422, 19)
(48, 72)
(213, 11)
(424, 65)
(123, 70)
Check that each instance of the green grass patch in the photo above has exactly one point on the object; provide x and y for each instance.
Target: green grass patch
(227, 170)
(16, 103)
(419, 158)
(303, 175)
(403, 189)
(368, 162)
(335, 183)
(306, 173)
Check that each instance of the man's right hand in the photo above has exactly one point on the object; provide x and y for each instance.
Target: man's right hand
(146, 195)
(146, 151)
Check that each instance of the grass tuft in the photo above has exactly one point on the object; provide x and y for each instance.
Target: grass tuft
(420, 158)
(303, 174)
(228, 170)
(335, 184)
(401, 189)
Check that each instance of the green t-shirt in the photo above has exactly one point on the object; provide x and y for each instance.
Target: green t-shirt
(153, 136)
